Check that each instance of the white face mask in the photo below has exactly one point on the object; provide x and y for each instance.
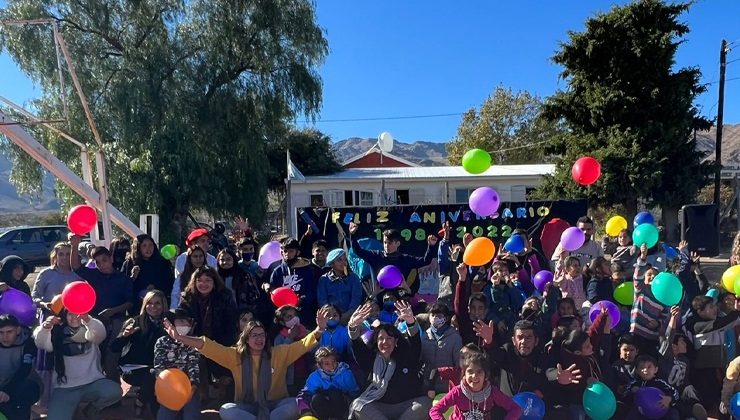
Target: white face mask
(182, 329)
(292, 322)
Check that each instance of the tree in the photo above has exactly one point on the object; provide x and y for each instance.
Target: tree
(310, 150)
(187, 95)
(626, 105)
(506, 120)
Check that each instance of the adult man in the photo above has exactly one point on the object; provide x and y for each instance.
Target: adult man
(588, 251)
(197, 238)
(20, 387)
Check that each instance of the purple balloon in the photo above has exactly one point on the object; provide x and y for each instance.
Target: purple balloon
(647, 400)
(269, 253)
(541, 279)
(390, 277)
(572, 238)
(610, 307)
(18, 304)
(484, 201)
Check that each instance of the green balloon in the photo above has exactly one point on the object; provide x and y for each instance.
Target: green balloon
(599, 402)
(667, 289)
(625, 293)
(645, 233)
(476, 161)
(168, 251)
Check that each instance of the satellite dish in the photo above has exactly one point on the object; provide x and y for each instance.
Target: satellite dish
(385, 142)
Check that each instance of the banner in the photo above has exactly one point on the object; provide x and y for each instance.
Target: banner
(415, 223)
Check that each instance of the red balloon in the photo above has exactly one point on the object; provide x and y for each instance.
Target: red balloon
(586, 170)
(78, 297)
(284, 296)
(82, 219)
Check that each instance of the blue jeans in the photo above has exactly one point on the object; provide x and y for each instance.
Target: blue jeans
(100, 394)
(286, 408)
(191, 411)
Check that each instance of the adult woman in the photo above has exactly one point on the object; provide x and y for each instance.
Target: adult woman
(396, 387)
(259, 370)
(120, 248)
(242, 284)
(148, 268)
(74, 339)
(51, 280)
(136, 342)
(196, 258)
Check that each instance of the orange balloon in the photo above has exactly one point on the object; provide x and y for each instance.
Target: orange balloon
(479, 252)
(56, 304)
(173, 389)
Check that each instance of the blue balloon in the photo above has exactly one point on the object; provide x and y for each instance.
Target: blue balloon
(670, 252)
(644, 217)
(370, 244)
(533, 408)
(514, 244)
(735, 405)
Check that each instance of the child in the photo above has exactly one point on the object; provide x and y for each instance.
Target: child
(569, 279)
(624, 253)
(339, 287)
(504, 298)
(290, 330)
(646, 371)
(566, 308)
(336, 335)
(244, 317)
(624, 366)
(476, 305)
(441, 344)
(169, 353)
(452, 374)
(647, 311)
(20, 385)
(329, 388)
(296, 273)
(600, 285)
(475, 398)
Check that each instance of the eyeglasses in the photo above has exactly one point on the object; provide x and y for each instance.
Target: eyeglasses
(258, 335)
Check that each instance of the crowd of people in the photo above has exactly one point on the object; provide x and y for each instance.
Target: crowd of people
(351, 349)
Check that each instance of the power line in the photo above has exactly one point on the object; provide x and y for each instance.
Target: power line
(405, 117)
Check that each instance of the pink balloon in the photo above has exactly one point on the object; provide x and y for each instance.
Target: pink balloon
(269, 253)
(484, 201)
(390, 277)
(572, 238)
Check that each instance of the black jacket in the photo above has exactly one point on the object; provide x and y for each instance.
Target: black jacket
(6, 273)
(223, 316)
(137, 348)
(155, 271)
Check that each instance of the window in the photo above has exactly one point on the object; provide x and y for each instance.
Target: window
(336, 198)
(462, 195)
(54, 235)
(402, 197)
(364, 198)
(317, 199)
(27, 236)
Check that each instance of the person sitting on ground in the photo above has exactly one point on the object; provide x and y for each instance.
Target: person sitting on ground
(329, 389)
(646, 370)
(20, 386)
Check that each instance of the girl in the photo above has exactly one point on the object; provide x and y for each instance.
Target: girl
(136, 342)
(600, 285)
(476, 305)
(329, 388)
(475, 398)
(241, 284)
(290, 329)
(148, 268)
(245, 315)
(625, 251)
(569, 279)
(441, 344)
(169, 353)
(78, 376)
(120, 248)
(196, 258)
(336, 335)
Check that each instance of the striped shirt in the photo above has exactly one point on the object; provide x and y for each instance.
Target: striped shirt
(645, 307)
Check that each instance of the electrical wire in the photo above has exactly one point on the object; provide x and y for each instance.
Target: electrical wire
(405, 117)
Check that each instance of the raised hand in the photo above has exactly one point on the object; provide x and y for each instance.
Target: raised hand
(51, 321)
(353, 228)
(130, 329)
(322, 316)
(431, 240)
(404, 312)
(359, 315)
(242, 223)
(170, 329)
(484, 331)
(643, 252)
(462, 272)
(568, 376)
(447, 227)
(467, 238)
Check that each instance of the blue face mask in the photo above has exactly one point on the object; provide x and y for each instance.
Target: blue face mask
(389, 306)
(247, 256)
(388, 317)
(332, 323)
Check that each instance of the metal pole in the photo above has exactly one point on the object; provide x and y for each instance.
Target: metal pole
(720, 117)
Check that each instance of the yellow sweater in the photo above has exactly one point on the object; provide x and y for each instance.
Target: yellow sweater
(282, 357)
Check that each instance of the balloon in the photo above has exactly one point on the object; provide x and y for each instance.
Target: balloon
(599, 402)
(269, 253)
(172, 389)
(615, 225)
(714, 294)
(82, 219)
(476, 161)
(479, 252)
(484, 201)
(586, 170)
(390, 277)
(370, 244)
(284, 296)
(670, 252)
(78, 297)
(625, 293)
(541, 279)
(642, 218)
(572, 238)
(730, 277)
(735, 405)
(736, 289)
(645, 234)
(533, 408)
(647, 401)
(20, 305)
(667, 289)
(610, 307)
(56, 304)
(168, 251)
(308, 418)
(514, 244)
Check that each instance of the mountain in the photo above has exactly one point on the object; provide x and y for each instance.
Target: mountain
(705, 141)
(424, 153)
(12, 202)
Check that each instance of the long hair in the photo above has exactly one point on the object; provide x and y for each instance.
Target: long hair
(55, 250)
(57, 342)
(218, 282)
(189, 269)
(145, 324)
(136, 256)
(242, 346)
(595, 270)
(119, 242)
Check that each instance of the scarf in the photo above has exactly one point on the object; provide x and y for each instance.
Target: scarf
(479, 396)
(264, 382)
(204, 305)
(74, 342)
(382, 374)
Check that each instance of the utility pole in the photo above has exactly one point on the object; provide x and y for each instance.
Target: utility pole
(720, 116)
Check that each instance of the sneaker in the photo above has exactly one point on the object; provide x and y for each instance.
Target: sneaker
(699, 412)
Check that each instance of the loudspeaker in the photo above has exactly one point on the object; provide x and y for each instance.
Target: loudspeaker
(700, 228)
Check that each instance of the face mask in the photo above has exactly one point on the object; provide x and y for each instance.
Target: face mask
(332, 323)
(292, 322)
(389, 306)
(247, 256)
(182, 329)
(438, 322)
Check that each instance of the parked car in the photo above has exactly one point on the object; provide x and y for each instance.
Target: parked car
(32, 243)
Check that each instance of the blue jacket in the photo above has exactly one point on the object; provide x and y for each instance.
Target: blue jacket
(345, 292)
(338, 339)
(342, 380)
(599, 289)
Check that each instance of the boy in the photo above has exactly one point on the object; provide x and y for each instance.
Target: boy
(329, 388)
(296, 273)
(624, 367)
(390, 255)
(20, 387)
(645, 372)
(647, 311)
(504, 297)
(247, 247)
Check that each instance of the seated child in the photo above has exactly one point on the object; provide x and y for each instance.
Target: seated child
(169, 353)
(474, 397)
(329, 389)
(440, 344)
(290, 330)
(624, 366)
(646, 370)
(336, 335)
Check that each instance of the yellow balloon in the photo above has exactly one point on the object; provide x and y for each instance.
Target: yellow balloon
(615, 225)
(308, 418)
(729, 277)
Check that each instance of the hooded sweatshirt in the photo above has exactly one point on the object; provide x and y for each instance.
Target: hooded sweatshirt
(6, 273)
(300, 277)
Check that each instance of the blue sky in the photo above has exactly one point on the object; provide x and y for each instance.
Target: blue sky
(412, 58)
